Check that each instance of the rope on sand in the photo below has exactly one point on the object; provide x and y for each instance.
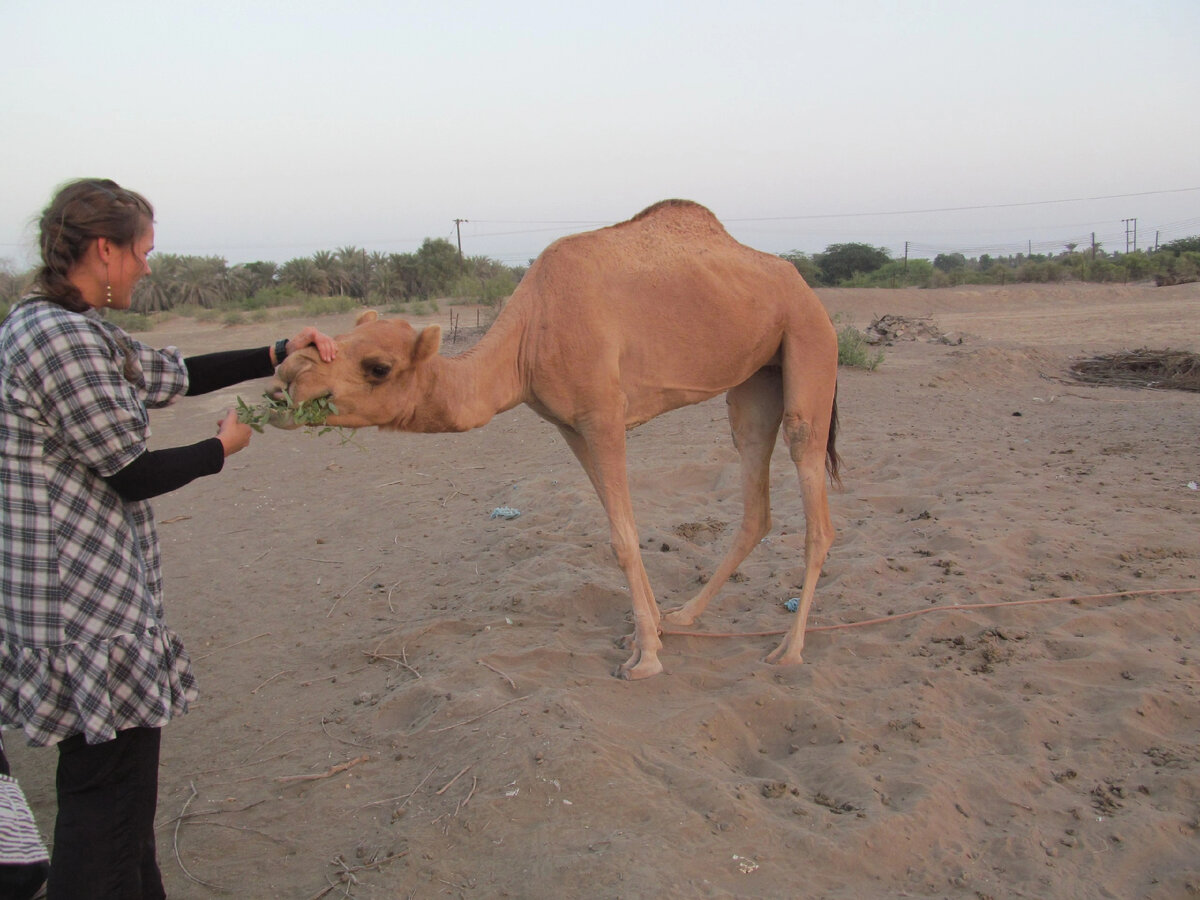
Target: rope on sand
(932, 609)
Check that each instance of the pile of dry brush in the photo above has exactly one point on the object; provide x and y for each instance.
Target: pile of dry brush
(1176, 370)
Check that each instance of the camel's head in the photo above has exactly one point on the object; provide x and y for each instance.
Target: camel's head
(375, 379)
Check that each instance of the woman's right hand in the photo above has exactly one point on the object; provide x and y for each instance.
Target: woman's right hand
(232, 434)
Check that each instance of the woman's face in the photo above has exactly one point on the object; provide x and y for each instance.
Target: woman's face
(129, 266)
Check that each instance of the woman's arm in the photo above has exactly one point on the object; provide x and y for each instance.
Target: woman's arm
(158, 472)
(213, 371)
(161, 471)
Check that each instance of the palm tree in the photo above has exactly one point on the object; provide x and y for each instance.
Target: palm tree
(331, 266)
(352, 264)
(304, 275)
(383, 279)
(258, 276)
(202, 281)
(158, 291)
(407, 269)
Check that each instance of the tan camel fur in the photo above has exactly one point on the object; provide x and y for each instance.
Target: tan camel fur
(607, 330)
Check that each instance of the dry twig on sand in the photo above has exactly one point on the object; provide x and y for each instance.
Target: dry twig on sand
(231, 646)
(328, 773)
(178, 857)
(511, 683)
(338, 599)
(480, 716)
(347, 875)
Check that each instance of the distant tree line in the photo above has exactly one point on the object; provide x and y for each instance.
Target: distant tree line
(355, 276)
(861, 265)
(435, 270)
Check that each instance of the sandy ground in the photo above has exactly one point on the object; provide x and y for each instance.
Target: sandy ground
(403, 697)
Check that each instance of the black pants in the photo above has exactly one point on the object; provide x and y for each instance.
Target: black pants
(104, 833)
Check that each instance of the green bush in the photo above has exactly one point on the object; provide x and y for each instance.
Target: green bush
(917, 273)
(1043, 271)
(805, 265)
(277, 295)
(841, 262)
(327, 306)
(854, 351)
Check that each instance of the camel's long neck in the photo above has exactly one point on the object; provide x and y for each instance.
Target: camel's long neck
(467, 390)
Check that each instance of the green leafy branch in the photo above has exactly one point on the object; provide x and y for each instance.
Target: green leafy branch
(308, 414)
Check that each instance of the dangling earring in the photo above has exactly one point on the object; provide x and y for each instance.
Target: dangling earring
(107, 294)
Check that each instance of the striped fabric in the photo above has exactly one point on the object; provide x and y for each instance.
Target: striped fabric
(20, 843)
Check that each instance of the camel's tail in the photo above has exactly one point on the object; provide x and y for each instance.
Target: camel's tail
(833, 462)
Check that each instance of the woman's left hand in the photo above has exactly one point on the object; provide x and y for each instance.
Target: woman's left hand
(309, 336)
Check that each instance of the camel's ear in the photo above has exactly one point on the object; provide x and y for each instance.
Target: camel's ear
(367, 315)
(428, 342)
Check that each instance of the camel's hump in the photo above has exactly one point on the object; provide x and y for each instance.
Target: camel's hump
(676, 209)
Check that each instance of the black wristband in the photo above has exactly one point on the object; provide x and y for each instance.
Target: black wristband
(280, 350)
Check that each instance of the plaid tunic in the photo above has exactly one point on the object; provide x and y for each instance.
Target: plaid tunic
(83, 645)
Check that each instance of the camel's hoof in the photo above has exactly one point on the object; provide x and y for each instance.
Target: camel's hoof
(640, 671)
(680, 617)
(640, 665)
(782, 656)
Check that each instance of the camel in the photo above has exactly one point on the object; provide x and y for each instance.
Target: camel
(607, 330)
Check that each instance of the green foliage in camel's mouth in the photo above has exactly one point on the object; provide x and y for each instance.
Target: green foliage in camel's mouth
(284, 412)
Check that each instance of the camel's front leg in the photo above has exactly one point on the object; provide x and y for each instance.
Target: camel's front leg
(602, 456)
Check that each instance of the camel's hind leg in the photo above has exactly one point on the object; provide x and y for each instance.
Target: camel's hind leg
(809, 391)
(603, 458)
(755, 411)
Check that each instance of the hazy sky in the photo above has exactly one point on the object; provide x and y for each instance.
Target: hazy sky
(274, 130)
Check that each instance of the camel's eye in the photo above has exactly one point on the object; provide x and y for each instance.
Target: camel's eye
(375, 370)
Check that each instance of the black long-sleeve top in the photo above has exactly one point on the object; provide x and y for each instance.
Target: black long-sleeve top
(161, 471)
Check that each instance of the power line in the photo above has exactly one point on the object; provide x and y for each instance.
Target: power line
(945, 209)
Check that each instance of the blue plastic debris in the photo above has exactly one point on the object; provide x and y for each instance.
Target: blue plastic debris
(792, 605)
(504, 512)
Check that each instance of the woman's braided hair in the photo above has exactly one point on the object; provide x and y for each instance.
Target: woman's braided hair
(80, 212)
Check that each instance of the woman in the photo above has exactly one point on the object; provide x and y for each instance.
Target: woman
(86, 660)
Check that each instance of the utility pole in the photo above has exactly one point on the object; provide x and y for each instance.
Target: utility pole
(906, 256)
(458, 231)
(1130, 234)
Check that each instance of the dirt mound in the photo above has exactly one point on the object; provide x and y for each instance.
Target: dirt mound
(1176, 370)
(973, 367)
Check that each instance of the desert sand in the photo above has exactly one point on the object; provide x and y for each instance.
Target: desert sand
(403, 696)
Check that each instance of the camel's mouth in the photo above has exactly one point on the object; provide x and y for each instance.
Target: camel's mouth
(284, 420)
(279, 410)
